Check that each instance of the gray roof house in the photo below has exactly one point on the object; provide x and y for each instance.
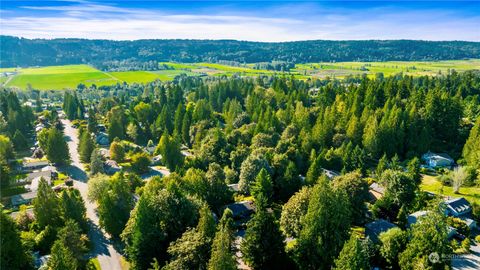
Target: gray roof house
(460, 208)
(375, 228)
(102, 138)
(417, 216)
(35, 165)
(111, 166)
(457, 207)
(24, 198)
(241, 209)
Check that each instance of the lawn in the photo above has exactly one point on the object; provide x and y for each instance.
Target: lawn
(430, 183)
(134, 76)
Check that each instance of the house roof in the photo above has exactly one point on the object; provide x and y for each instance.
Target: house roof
(375, 228)
(233, 187)
(330, 174)
(34, 164)
(377, 188)
(437, 156)
(458, 205)
(22, 198)
(241, 208)
(413, 217)
(112, 163)
(47, 175)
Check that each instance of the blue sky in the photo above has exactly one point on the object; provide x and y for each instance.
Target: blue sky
(242, 20)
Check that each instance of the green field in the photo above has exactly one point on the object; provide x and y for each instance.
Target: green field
(69, 76)
(430, 183)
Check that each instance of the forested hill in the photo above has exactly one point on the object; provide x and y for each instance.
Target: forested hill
(31, 52)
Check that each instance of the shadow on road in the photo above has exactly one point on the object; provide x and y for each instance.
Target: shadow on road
(75, 173)
(99, 241)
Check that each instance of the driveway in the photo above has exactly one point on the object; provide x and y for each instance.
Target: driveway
(469, 261)
(107, 255)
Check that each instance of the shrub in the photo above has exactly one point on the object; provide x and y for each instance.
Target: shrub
(140, 163)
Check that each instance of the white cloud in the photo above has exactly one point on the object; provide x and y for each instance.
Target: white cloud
(85, 19)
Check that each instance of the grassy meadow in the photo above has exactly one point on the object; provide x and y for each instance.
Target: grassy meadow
(69, 76)
(430, 183)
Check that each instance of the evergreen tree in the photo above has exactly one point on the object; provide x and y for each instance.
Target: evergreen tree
(428, 235)
(72, 207)
(192, 249)
(325, 227)
(263, 246)
(222, 254)
(85, 147)
(170, 150)
(263, 185)
(160, 216)
(57, 148)
(46, 206)
(352, 256)
(96, 162)
(13, 255)
(19, 141)
(471, 149)
(314, 172)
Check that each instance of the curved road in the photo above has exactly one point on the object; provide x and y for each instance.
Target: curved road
(107, 255)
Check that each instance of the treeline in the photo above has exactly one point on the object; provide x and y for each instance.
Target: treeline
(103, 53)
(275, 65)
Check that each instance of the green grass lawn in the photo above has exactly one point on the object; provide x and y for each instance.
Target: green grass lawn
(430, 183)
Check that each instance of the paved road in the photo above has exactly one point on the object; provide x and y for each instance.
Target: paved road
(108, 257)
(469, 261)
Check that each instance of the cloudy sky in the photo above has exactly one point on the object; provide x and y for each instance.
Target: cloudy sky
(242, 20)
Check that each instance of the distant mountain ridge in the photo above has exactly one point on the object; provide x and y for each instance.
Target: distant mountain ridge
(23, 52)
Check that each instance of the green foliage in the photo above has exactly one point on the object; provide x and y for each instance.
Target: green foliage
(325, 227)
(250, 168)
(47, 206)
(393, 242)
(6, 149)
(85, 147)
(159, 217)
(169, 148)
(19, 141)
(192, 249)
(56, 147)
(294, 211)
(72, 207)
(114, 200)
(73, 106)
(427, 236)
(96, 162)
(117, 151)
(13, 255)
(263, 185)
(471, 149)
(222, 257)
(263, 246)
(140, 163)
(352, 256)
(356, 189)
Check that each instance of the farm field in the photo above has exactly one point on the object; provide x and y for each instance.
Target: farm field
(69, 76)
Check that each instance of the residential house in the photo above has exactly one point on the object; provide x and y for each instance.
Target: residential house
(330, 174)
(417, 217)
(111, 166)
(102, 138)
(35, 165)
(376, 192)
(375, 228)
(460, 208)
(437, 160)
(233, 187)
(25, 198)
(241, 210)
